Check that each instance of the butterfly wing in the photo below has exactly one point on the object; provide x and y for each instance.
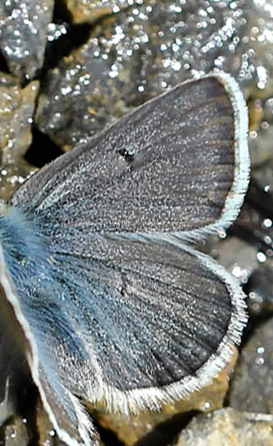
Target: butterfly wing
(146, 321)
(132, 319)
(64, 409)
(157, 321)
(177, 163)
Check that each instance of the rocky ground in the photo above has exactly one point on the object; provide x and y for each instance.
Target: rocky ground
(68, 68)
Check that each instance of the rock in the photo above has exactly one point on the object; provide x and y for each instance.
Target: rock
(23, 29)
(255, 221)
(15, 433)
(47, 435)
(261, 290)
(45, 431)
(12, 176)
(134, 428)
(261, 129)
(237, 256)
(252, 384)
(264, 176)
(255, 226)
(89, 11)
(7, 406)
(16, 117)
(228, 427)
(135, 55)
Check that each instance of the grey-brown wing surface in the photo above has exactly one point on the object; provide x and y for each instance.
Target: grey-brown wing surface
(143, 321)
(111, 313)
(177, 163)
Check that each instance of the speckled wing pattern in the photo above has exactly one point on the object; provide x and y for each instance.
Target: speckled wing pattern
(168, 166)
(117, 304)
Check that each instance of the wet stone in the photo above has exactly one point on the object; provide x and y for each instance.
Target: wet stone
(252, 384)
(261, 129)
(264, 176)
(23, 30)
(47, 435)
(15, 433)
(227, 427)
(16, 117)
(83, 11)
(138, 53)
(45, 431)
(12, 176)
(254, 226)
(261, 94)
(7, 406)
(246, 250)
(260, 297)
(237, 256)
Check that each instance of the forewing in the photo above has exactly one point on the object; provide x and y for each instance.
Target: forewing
(145, 321)
(177, 163)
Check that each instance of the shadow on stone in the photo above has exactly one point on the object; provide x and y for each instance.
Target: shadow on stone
(165, 433)
(42, 149)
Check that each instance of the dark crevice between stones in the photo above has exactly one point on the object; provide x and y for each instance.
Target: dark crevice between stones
(27, 396)
(260, 201)
(108, 437)
(2, 436)
(254, 320)
(167, 432)
(260, 204)
(246, 234)
(23, 394)
(61, 13)
(42, 149)
(3, 64)
(75, 37)
(253, 324)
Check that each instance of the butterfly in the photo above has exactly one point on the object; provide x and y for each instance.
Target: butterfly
(102, 288)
